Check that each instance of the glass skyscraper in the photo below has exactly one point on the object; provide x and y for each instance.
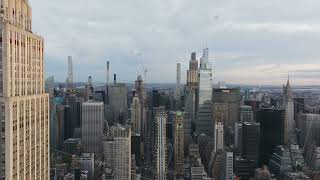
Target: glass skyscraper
(204, 124)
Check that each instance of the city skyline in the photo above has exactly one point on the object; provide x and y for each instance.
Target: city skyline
(264, 39)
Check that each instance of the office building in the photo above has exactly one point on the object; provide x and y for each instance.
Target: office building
(137, 148)
(218, 136)
(70, 84)
(160, 146)
(136, 115)
(72, 113)
(204, 124)
(226, 103)
(280, 162)
(118, 93)
(217, 164)
(72, 146)
(24, 105)
(189, 117)
(299, 107)
(92, 126)
(191, 94)
(288, 106)
(251, 141)
(271, 132)
(309, 129)
(133, 173)
(192, 73)
(86, 161)
(121, 152)
(238, 136)
(178, 143)
(108, 151)
(246, 114)
(229, 166)
(295, 176)
(262, 174)
(244, 168)
(314, 161)
(142, 96)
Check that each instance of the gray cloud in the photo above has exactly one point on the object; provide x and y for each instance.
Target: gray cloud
(241, 35)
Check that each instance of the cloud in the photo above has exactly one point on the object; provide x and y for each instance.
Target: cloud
(240, 35)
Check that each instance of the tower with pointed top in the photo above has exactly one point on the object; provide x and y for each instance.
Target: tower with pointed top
(288, 106)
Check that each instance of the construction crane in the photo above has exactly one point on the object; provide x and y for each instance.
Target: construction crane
(145, 69)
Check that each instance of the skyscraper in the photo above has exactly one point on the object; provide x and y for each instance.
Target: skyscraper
(70, 73)
(121, 152)
(226, 103)
(141, 94)
(246, 114)
(229, 166)
(160, 154)
(118, 100)
(177, 91)
(288, 106)
(238, 135)
(190, 100)
(218, 136)
(92, 126)
(24, 106)
(192, 73)
(271, 131)
(251, 141)
(204, 124)
(178, 143)
(136, 115)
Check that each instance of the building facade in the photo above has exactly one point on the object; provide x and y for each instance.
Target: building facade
(92, 126)
(24, 105)
(136, 115)
(246, 114)
(178, 143)
(289, 123)
(204, 124)
(160, 154)
(70, 73)
(121, 152)
(118, 93)
(218, 136)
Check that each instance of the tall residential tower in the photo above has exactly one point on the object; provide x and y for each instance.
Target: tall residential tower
(24, 109)
(70, 73)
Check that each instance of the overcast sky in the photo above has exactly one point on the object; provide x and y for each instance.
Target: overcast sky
(250, 41)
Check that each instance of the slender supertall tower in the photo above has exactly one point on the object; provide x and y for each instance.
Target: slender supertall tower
(24, 106)
(107, 84)
(108, 73)
(70, 73)
(178, 85)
